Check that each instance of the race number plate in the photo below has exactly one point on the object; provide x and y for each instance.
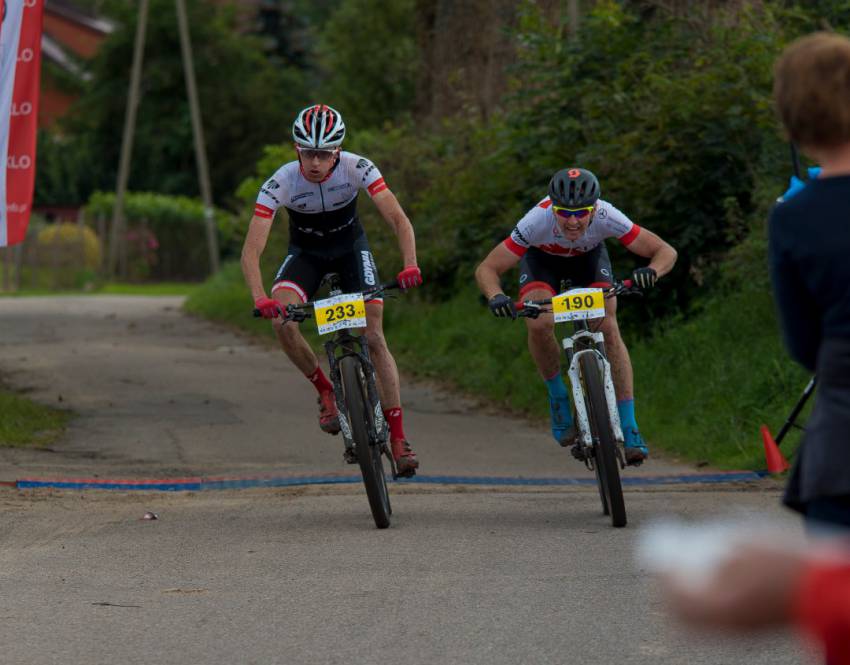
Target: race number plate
(345, 311)
(578, 304)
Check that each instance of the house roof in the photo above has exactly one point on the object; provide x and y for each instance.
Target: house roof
(53, 51)
(70, 11)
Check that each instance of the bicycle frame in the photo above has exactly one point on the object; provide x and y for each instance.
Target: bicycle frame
(582, 342)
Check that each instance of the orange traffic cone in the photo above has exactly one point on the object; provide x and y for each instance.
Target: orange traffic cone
(776, 462)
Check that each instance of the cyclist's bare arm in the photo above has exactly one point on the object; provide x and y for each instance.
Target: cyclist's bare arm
(487, 273)
(252, 249)
(661, 255)
(391, 211)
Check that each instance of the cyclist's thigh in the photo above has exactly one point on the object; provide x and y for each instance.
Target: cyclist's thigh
(299, 274)
(538, 281)
(598, 273)
(538, 275)
(357, 270)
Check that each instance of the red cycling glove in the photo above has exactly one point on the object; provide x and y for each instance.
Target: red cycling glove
(409, 277)
(268, 307)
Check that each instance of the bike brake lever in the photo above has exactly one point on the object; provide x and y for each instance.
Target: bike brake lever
(530, 310)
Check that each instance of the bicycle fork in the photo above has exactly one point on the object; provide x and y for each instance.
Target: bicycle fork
(378, 427)
(582, 418)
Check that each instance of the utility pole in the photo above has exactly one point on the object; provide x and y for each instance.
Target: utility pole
(116, 236)
(573, 18)
(198, 133)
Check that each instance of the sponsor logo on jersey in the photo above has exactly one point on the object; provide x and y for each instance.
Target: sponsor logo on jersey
(601, 213)
(272, 184)
(368, 267)
(362, 164)
(301, 196)
(344, 185)
(270, 195)
(519, 238)
(368, 171)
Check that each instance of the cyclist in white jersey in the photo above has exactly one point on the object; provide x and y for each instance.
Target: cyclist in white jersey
(319, 192)
(563, 238)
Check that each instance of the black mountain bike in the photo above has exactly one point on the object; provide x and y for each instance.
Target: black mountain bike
(365, 431)
(594, 403)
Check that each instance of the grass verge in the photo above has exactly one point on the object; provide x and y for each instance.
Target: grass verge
(113, 288)
(24, 423)
(703, 385)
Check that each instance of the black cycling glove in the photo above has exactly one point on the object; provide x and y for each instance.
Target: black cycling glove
(644, 278)
(501, 305)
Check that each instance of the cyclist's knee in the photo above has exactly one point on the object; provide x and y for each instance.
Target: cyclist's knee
(288, 333)
(541, 327)
(376, 340)
(609, 325)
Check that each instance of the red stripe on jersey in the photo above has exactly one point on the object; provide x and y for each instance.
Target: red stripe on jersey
(545, 203)
(378, 186)
(262, 211)
(514, 247)
(629, 237)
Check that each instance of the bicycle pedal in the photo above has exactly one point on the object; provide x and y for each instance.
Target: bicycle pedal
(577, 451)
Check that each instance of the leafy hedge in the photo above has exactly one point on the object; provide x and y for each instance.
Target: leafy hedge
(166, 234)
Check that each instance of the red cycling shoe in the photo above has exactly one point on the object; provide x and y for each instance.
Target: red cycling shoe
(328, 415)
(405, 459)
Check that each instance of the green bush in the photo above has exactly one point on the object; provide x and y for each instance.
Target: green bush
(166, 235)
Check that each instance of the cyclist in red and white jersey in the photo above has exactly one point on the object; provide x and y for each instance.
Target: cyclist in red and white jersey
(563, 238)
(319, 192)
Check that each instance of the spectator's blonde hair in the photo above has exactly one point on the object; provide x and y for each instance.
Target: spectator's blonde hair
(812, 90)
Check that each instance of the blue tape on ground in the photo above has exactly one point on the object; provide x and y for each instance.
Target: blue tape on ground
(120, 485)
(291, 481)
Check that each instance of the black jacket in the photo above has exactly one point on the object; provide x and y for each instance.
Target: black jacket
(809, 253)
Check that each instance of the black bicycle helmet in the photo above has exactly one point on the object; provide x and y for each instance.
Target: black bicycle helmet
(574, 188)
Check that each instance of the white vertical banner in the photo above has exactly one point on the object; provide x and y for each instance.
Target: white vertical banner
(20, 68)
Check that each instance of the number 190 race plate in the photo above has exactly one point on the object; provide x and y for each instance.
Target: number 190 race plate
(344, 311)
(578, 304)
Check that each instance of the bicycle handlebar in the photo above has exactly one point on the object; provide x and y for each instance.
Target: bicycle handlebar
(533, 308)
(300, 312)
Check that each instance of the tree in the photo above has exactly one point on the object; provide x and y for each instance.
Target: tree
(246, 102)
(369, 61)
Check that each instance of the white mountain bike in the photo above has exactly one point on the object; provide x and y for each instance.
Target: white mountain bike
(600, 438)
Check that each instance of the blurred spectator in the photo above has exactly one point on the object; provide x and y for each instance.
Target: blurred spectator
(809, 252)
(762, 587)
(758, 586)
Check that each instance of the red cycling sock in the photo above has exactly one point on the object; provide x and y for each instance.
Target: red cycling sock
(319, 380)
(393, 417)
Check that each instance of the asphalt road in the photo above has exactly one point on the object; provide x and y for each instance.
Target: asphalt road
(300, 575)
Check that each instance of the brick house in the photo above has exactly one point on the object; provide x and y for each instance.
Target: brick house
(70, 37)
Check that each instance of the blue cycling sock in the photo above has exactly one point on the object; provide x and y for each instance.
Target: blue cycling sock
(626, 408)
(556, 387)
(559, 405)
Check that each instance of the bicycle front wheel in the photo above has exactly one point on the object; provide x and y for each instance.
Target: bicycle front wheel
(604, 444)
(368, 455)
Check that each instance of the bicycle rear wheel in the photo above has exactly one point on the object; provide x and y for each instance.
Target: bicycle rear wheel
(368, 455)
(605, 451)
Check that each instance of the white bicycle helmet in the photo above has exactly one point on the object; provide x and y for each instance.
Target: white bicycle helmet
(318, 127)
